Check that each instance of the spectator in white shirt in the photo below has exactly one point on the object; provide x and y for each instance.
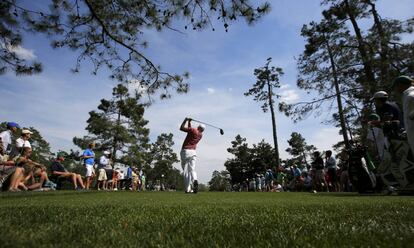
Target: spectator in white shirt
(103, 164)
(23, 141)
(6, 136)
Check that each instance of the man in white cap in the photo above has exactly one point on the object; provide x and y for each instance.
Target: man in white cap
(389, 113)
(23, 141)
(104, 162)
(189, 155)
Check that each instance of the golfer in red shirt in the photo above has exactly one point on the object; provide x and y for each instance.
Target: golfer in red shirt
(189, 155)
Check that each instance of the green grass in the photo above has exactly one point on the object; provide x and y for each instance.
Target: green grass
(165, 219)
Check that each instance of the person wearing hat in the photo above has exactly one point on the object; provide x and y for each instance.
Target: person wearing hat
(6, 136)
(376, 141)
(104, 163)
(23, 141)
(189, 154)
(389, 113)
(59, 171)
(403, 87)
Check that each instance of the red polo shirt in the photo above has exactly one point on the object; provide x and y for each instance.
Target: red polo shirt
(193, 137)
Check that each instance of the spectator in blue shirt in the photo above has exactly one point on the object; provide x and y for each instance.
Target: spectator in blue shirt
(89, 161)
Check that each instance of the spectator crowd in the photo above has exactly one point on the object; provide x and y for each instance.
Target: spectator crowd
(18, 172)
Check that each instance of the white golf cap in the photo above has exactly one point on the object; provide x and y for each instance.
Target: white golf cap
(25, 131)
(106, 152)
(202, 126)
(379, 94)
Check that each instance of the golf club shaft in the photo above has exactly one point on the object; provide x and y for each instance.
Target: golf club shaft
(206, 124)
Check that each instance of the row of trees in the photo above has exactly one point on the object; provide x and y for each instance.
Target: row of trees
(344, 65)
(248, 161)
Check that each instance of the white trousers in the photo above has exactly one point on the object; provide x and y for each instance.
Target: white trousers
(188, 160)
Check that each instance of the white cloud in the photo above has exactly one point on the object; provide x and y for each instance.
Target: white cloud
(284, 86)
(211, 90)
(289, 96)
(21, 52)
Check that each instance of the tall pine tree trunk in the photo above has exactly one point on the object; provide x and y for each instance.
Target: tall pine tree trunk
(366, 61)
(368, 69)
(272, 112)
(338, 95)
(115, 140)
(384, 66)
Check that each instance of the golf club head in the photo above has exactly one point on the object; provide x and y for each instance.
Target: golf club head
(221, 132)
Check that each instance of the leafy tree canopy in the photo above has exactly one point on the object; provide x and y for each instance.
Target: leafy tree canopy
(111, 33)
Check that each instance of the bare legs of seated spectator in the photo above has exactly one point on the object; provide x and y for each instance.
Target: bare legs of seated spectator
(20, 176)
(59, 171)
(76, 179)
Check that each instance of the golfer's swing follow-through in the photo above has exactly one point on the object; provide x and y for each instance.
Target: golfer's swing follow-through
(188, 152)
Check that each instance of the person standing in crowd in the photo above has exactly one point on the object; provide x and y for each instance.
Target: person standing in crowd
(344, 184)
(143, 181)
(263, 182)
(23, 141)
(269, 178)
(59, 171)
(389, 113)
(319, 181)
(330, 164)
(258, 183)
(376, 141)
(189, 154)
(89, 161)
(102, 166)
(6, 136)
(403, 86)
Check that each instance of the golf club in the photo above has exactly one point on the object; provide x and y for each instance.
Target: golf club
(221, 130)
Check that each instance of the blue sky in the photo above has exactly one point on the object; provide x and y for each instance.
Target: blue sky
(221, 64)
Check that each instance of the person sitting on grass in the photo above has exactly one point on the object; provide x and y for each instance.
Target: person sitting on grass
(37, 180)
(24, 172)
(59, 171)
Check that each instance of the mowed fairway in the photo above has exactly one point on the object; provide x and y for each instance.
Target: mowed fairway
(167, 219)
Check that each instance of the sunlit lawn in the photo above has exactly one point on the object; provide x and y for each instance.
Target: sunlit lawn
(175, 219)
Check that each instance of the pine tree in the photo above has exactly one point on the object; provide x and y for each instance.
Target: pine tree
(161, 157)
(263, 91)
(112, 33)
(119, 126)
(299, 149)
